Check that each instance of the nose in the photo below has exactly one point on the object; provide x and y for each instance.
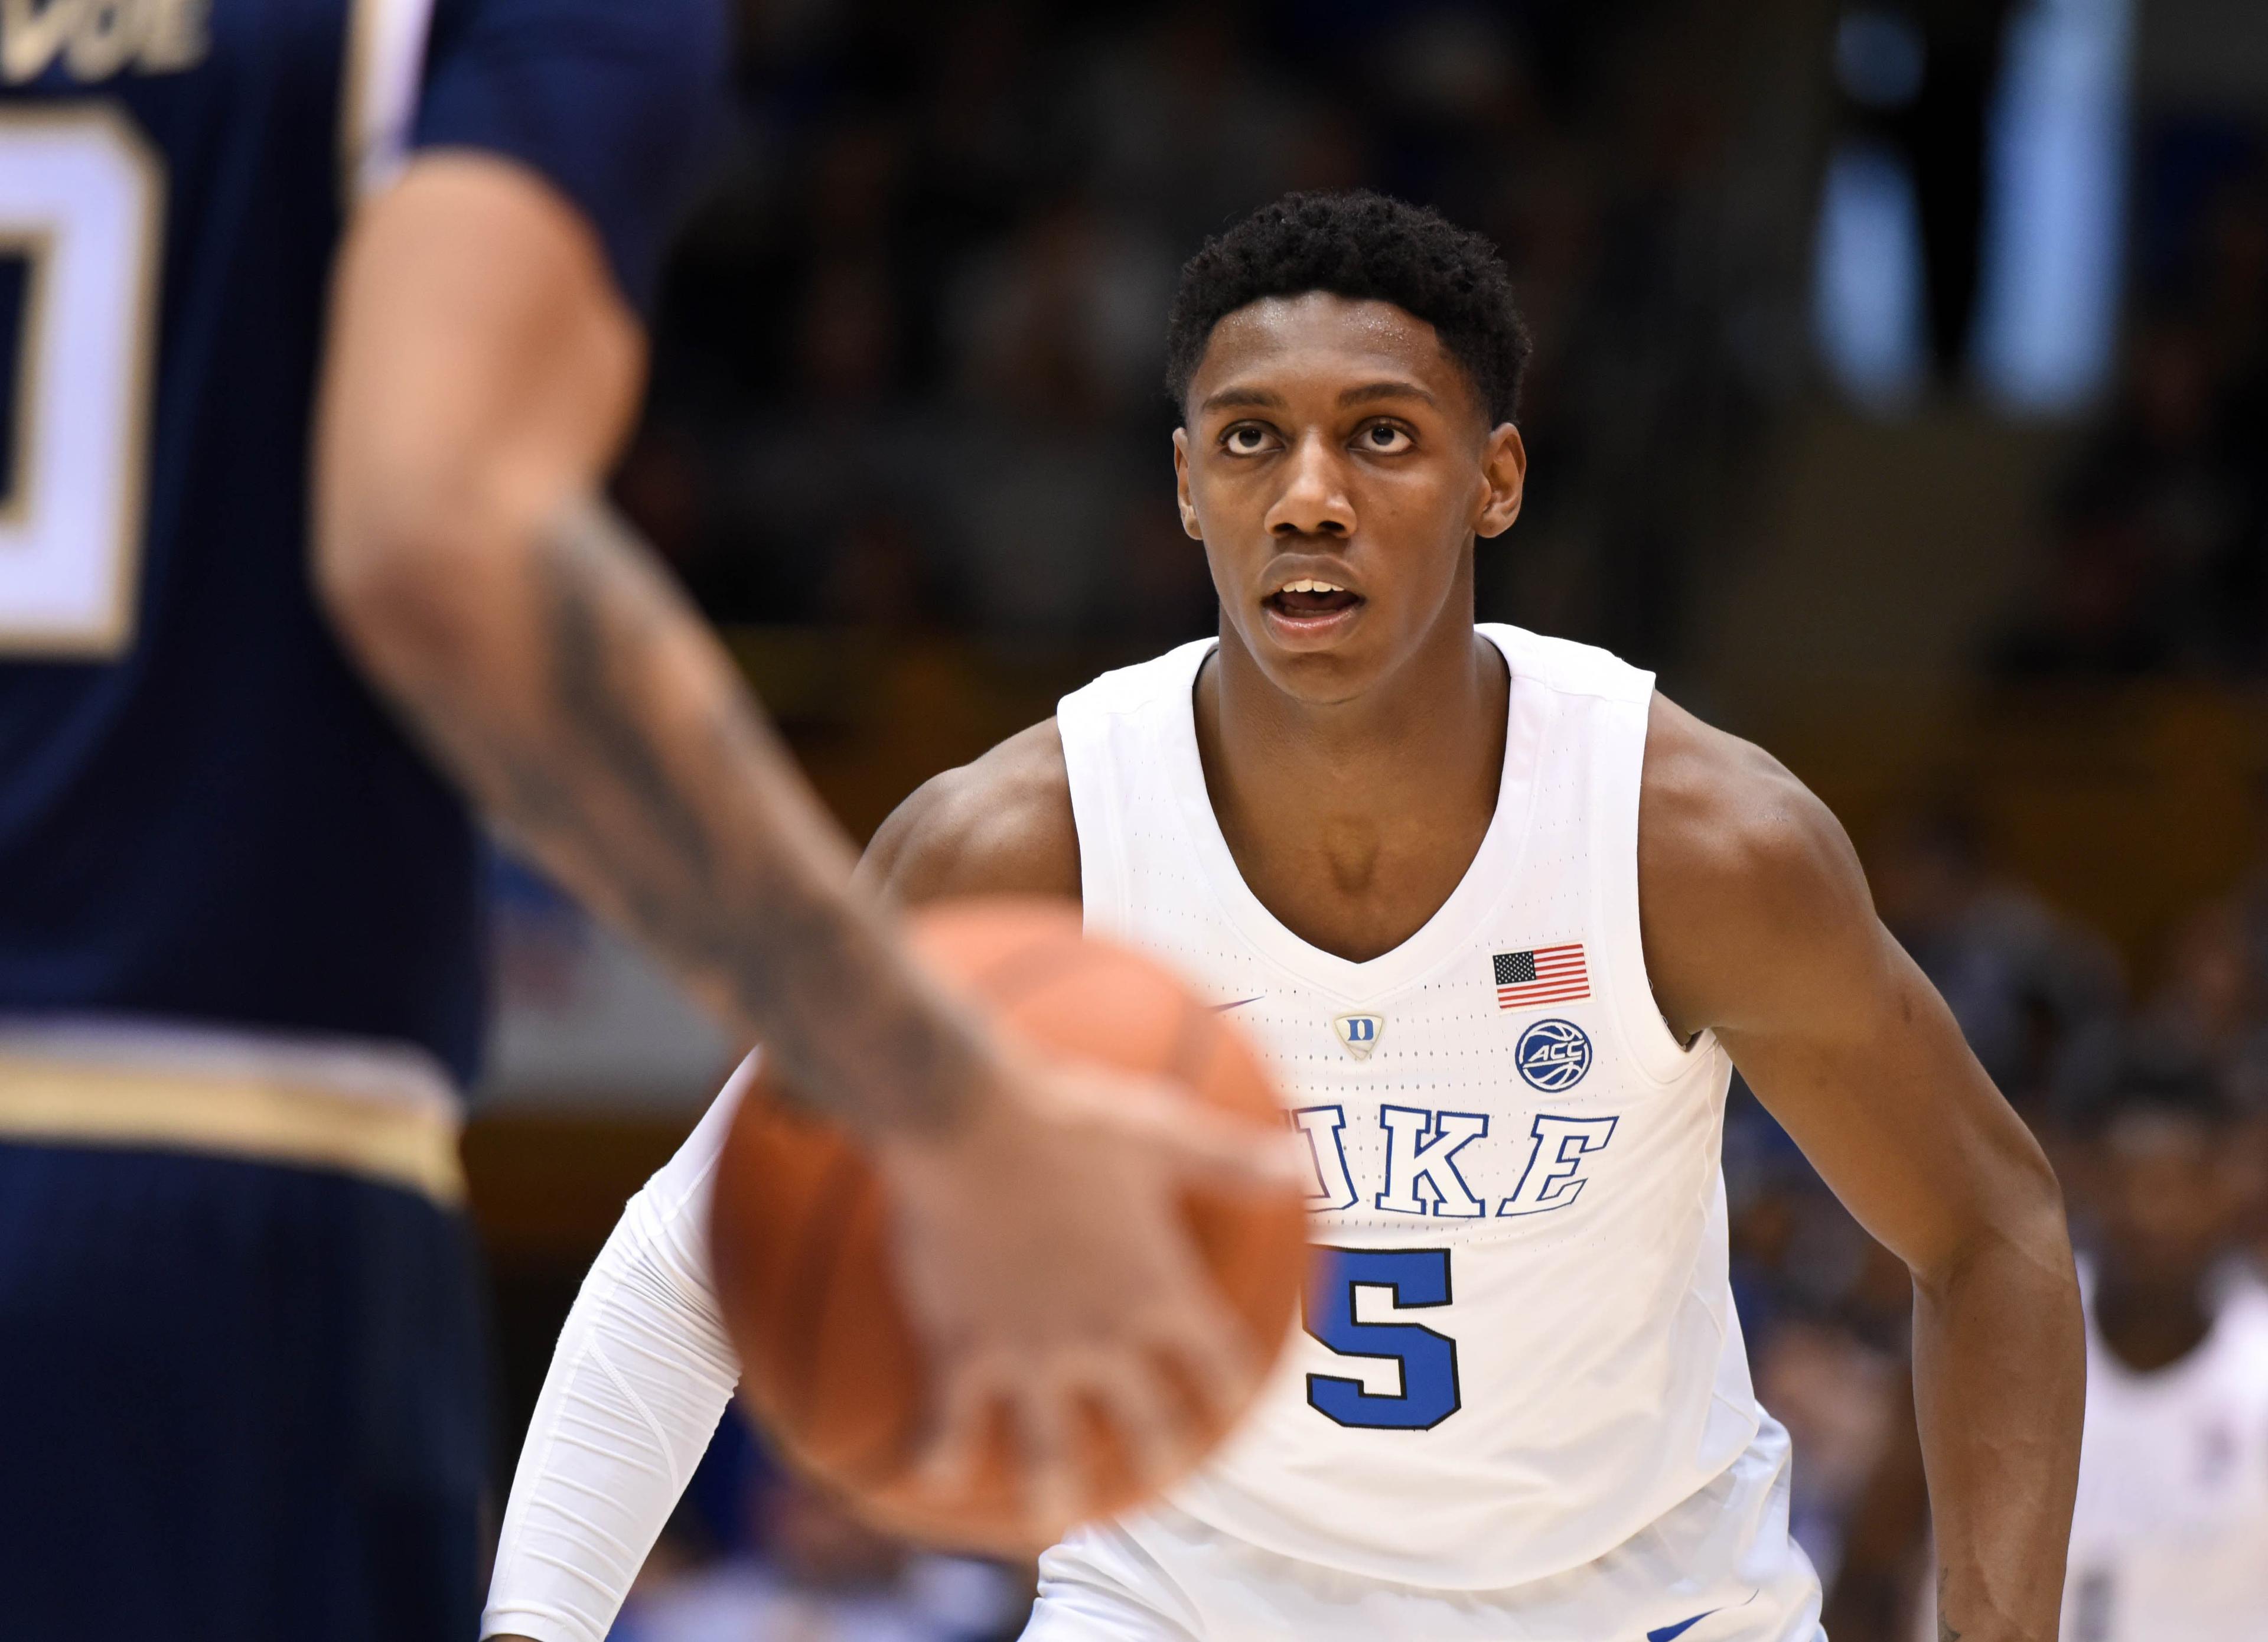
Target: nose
(1314, 501)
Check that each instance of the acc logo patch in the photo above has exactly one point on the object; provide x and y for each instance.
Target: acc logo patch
(1360, 1033)
(1553, 1055)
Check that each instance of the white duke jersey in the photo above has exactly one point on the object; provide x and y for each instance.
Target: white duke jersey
(1521, 1350)
(2170, 1536)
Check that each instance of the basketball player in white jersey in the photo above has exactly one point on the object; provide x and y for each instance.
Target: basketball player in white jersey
(1502, 919)
(2171, 1535)
(2169, 1539)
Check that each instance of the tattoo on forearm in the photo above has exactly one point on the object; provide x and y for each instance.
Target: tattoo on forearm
(662, 796)
(1945, 1629)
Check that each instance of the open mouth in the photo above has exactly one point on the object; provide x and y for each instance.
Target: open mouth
(1308, 597)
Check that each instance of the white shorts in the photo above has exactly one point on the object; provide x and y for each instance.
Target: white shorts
(1719, 1568)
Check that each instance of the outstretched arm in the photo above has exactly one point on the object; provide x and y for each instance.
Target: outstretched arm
(1759, 925)
(482, 373)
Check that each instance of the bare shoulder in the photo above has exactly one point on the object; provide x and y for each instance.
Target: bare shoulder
(1743, 871)
(1001, 824)
(1714, 808)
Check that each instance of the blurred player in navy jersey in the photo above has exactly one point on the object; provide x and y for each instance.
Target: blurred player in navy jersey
(239, 910)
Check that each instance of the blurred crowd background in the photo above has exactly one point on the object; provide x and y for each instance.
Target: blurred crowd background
(1901, 395)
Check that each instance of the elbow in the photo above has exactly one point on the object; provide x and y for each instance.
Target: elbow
(410, 577)
(2037, 1196)
(2022, 1228)
(2040, 1226)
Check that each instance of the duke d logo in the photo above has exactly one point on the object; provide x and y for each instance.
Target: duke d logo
(1360, 1033)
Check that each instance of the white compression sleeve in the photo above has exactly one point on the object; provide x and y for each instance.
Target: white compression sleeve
(642, 1373)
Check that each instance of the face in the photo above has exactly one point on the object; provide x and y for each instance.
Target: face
(1338, 465)
(2169, 1193)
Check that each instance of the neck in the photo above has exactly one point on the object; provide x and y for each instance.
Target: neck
(2150, 1329)
(1352, 820)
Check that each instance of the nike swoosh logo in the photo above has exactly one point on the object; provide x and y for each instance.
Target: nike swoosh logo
(1222, 1009)
(1667, 1633)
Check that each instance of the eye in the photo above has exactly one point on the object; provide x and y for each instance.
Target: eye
(1245, 439)
(1383, 438)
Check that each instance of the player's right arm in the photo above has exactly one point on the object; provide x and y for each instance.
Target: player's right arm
(483, 369)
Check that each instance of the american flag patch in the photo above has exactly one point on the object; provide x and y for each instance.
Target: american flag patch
(1547, 974)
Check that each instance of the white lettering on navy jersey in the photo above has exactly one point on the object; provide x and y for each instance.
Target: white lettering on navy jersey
(94, 39)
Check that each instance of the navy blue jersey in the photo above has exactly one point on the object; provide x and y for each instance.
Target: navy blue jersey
(203, 811)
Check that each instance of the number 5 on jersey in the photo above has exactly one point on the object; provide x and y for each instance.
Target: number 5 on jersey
(1413, 1280)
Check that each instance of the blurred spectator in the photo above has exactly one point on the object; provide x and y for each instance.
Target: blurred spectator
(1050, 334)
(821, 1575)
(2102, 610)
(2211, 1000)
(2028, 986)
(2147, 571)
(933, 294)
(2170, 1536)
(2212, 1003)
(2171, 1533)
(1185, 122)
(1834, 1394)
(2157, 552)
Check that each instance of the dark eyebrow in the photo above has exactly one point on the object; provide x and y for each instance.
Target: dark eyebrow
(1370, 391)
(1257, 396)
(1263, 398)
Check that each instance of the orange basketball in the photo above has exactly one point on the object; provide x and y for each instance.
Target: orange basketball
(829, 1363)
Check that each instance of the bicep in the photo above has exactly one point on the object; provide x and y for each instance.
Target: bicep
(480, 363)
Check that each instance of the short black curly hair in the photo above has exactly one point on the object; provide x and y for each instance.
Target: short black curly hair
(1363, 246)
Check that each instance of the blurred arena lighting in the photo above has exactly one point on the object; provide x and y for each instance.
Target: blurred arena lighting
(2047, 316)
(1868, 295)
(1879, 58)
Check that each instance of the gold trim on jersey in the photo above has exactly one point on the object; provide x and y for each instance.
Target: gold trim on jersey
(410, 1145)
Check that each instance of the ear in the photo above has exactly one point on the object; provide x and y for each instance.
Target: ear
(1503, 482)
(1182, 485)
